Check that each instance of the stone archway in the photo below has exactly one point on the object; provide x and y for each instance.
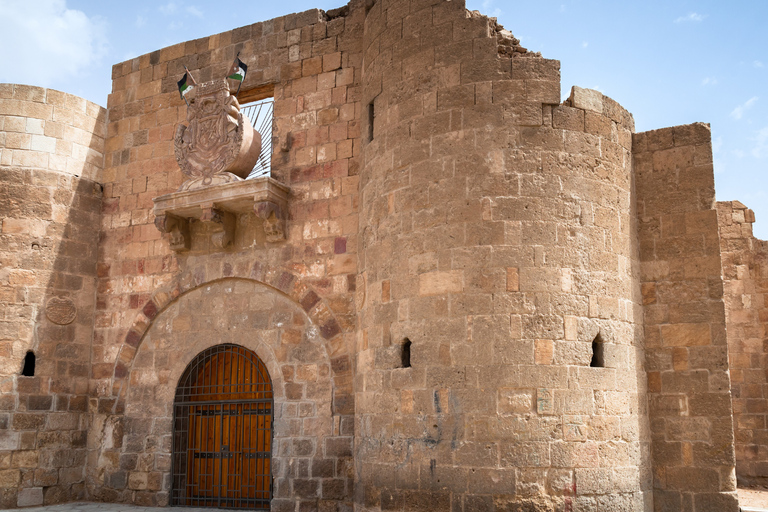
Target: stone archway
(309, 430)
(282, 280)
(222, 431)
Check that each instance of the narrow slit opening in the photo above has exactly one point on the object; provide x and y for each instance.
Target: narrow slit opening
(371, 116)
(405, 355)
(28, 370)
(598, 356)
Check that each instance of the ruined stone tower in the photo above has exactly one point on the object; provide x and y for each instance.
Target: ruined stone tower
(454, 291)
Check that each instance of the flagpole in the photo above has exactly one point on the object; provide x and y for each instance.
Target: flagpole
(237, 57)
(190, 75)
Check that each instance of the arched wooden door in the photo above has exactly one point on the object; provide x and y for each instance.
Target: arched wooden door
(222, 431)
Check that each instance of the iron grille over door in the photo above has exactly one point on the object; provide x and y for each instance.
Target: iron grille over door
(222, 431)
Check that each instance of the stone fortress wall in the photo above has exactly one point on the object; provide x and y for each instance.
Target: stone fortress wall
(745, 280)
(689, 402)
(497, 238)
(486, 299)
(310, 63)
(51, 156)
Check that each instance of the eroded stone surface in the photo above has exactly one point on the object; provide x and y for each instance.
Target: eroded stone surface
(50, 203)
(441, 198)
(745, 273)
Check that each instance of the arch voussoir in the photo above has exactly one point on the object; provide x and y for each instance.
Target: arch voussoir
(283, 280)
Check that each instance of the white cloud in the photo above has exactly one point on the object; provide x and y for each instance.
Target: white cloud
(584, 44)
(175, 25)
(44, 41)
(760, 150)
(720, 165)
(691, 17)
(738, 112)
(717, 145)
(194, 11)
(709, 81)
(140, 21)
(169, 8)
(758, 64)
(486, 8)
(562, 8)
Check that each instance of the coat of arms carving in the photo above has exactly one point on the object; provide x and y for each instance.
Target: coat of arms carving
(218, 145)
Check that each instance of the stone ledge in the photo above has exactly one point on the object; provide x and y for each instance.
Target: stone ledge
(236, 197)
(219, 204)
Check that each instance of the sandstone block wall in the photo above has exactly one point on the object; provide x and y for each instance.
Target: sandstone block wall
(51, 155)
(487, 298)
(497, 239)
(280, 332)
(745, 278)
(685, 341)
(310, 62)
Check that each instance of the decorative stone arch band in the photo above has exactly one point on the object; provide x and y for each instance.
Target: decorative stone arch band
(281, 280)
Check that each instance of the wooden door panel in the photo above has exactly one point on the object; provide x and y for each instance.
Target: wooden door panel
(229, 437)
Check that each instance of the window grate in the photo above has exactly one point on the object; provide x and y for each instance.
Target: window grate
(261, 115)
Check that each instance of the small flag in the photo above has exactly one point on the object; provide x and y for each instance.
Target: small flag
(184, 87)
(238, 71)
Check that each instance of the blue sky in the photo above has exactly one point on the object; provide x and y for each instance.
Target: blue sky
(668, 62)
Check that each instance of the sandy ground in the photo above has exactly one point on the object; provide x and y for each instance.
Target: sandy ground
(753, 498)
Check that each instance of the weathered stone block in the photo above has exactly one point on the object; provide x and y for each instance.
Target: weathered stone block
(138, 480)
(30, 497)
(9, 478)
(586, 99)
(686, 335)
(46, 477)
(9, 440)
(436, 283)
(543, 351)
(25, 421)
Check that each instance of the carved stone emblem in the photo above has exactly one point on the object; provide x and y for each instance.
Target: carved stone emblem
(218, 144)
(61, 310)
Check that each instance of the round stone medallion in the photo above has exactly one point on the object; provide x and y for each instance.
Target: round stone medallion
(61, 310)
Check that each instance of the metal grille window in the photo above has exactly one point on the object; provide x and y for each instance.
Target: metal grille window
(261, 114)
(222, 431)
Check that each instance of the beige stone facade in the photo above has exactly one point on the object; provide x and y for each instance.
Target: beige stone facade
(468, 294)
(745, 281)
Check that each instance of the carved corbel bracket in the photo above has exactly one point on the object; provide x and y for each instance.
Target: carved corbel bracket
(177, 229)
(217, 208)
(274, 219)
(225, 234)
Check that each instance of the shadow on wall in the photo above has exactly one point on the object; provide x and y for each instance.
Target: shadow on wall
(51, 155)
